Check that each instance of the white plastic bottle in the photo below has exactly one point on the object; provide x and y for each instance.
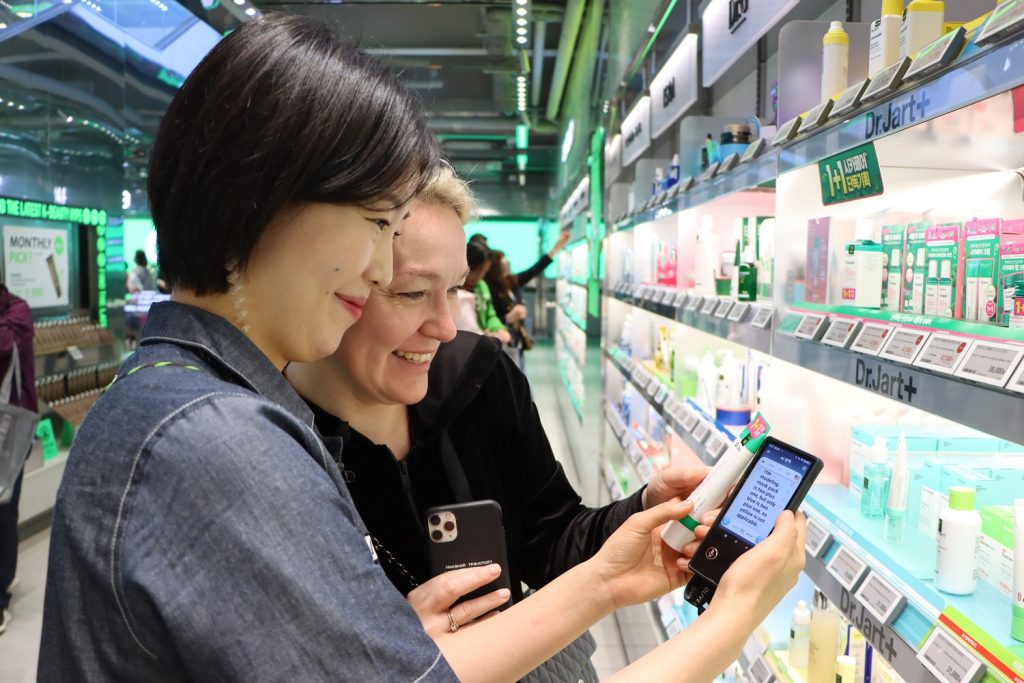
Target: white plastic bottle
(824, 640)
(799, 636)
(884, 48)
(846, 669)
(956, 560)
(923, 22)
(835, 59)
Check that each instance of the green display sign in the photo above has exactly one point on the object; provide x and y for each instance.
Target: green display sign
(853, 174)
(45, 434)
(21, 208)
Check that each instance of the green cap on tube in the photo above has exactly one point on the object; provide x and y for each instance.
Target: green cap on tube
(961, 498)
(1017, 623)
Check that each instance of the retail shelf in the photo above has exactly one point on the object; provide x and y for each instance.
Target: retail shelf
(572, 397)
(569, 350)
(979, 73)
(577, 283)
(572, 316)
(981, 620)
(987, 409)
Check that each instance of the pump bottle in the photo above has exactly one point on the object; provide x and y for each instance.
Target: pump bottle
(877, 473)
(956, 560)
(835, 61)
(799, 636)
(673, 171)
(884, 48)
(824, 640)
(899, 490)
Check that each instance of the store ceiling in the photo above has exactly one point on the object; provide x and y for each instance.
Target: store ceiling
(460, 56)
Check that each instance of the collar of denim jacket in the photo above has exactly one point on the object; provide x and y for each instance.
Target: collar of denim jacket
(222, 343)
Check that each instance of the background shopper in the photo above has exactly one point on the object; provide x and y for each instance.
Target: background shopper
(16, 333)
(140, 278)
(478, 257)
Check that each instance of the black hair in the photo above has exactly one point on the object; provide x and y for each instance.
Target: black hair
(478, 237)
(280, 112)
(476, 254)
(140, 258)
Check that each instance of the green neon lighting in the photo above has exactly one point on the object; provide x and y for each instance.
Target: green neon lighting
(654, 37)
(521, 160)
(170, 78)
(58, 213)
(522, 136)
(468, 137)
(596, 229)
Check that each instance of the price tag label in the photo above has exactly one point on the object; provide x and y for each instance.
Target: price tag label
(1007, 17)
(673, 628)
(762, 316)
(754, 150)
(841, 333)
(871, 338)
(937, 54)
(990, 363)
(689, 420)
(847, 568)
(651, 292)
(711, 172)
(818, 538)
(716, 445)
(850, 99)
(886, 80)
(880, 598)
(694, 303)
(643, 292)
(948, 659)
(1016, 382)
(816, 117)
(75, 353)
(942, 353)
(680, 299)
(710, 304)
(724, 306)
(739, 310)
(904, 345)
(661, 394)
(658, 296)
(729, 163)
(811, 327)
(787, 132)
(701, 431)
(752, 649)
(760, 672)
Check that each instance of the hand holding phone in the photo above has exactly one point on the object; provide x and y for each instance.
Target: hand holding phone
(434, 599)
(468, 535)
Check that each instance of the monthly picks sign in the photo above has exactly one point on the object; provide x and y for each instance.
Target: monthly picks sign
(36, 264)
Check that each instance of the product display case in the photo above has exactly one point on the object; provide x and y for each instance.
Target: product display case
(860, 285)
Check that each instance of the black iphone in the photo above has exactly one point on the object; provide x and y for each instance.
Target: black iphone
(468, 535)
(777, 479)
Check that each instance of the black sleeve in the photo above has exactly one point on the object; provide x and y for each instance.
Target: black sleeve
(558, 531)
(534, 270)
(501, 307)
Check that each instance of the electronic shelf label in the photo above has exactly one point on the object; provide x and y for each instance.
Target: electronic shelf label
(787, 132)
(762, 316)
(1006, 18)
(754, 150)
(937, 54)
(649, 295)
(880, 598)
(990, 362)
(849, 100)
(710, 304)
(661, 395)
(657, 296)
(680, 299)
(886, 80)
(729, 163)
(711, 172)
(949, 660)
(701, 431)
(686, 183)
(841, 333)
(1016, 382)
(716, 445)
(942, 353)
(689, 420)
(871, 338)
(847, 568)
(753, 648)
(904, 345)
(818, 538)
(739, 310)
(724, 306)
(816, 117)
(760, 672)
(812, 327)
(694, 303)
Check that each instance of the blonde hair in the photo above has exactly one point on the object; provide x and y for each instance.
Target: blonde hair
(449, 190)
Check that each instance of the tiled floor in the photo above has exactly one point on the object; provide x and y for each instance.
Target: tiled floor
(19, 646)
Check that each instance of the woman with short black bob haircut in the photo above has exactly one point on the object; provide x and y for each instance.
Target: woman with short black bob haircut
(203, 530)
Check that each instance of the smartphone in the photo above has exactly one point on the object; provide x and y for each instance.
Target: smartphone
(777, 479)
(468, 535)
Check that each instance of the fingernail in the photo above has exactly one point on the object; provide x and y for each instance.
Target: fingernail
(494, 569)
(684, 565)
(504, 593)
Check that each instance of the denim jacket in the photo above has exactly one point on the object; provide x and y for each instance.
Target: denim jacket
(203, 532)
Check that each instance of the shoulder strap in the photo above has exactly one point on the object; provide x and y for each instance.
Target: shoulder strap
(13, 373)
(453, 470)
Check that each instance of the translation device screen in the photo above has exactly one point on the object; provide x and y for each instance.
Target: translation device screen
(765, 494)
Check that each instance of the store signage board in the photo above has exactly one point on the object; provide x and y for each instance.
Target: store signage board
(754, 150)
(76, 354)
(787, 132)
(818, 539)
(59, 213)
(36, 264)
(990, 363)
(871, 338)
(849, 100)
(1016, 382)
(762, 317)
(880, 598)
(942, 353)
(886, 80)
(812, 327)
(1007, 17)
(760, 672)
(710, 305)
(904, 344)
(816, 117)
(847, 568)
(948, 659)
(937, 54)
(739, 311)
(841, 333)
(636, 131)
(724, 306)
(729, 163)
(853, 174)
(676, 87)
(730, 28)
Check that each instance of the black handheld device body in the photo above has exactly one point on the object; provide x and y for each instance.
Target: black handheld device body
(777, 479)
(468, 535)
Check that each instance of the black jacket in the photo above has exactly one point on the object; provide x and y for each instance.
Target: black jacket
(503, 304)
(483, 401)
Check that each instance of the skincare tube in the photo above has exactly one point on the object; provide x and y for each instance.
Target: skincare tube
(1017, 624)
(899, 489)
(713, 489)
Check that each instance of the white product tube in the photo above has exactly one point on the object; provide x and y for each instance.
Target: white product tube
(1017, 627)
(712, 491)
(834, 61)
